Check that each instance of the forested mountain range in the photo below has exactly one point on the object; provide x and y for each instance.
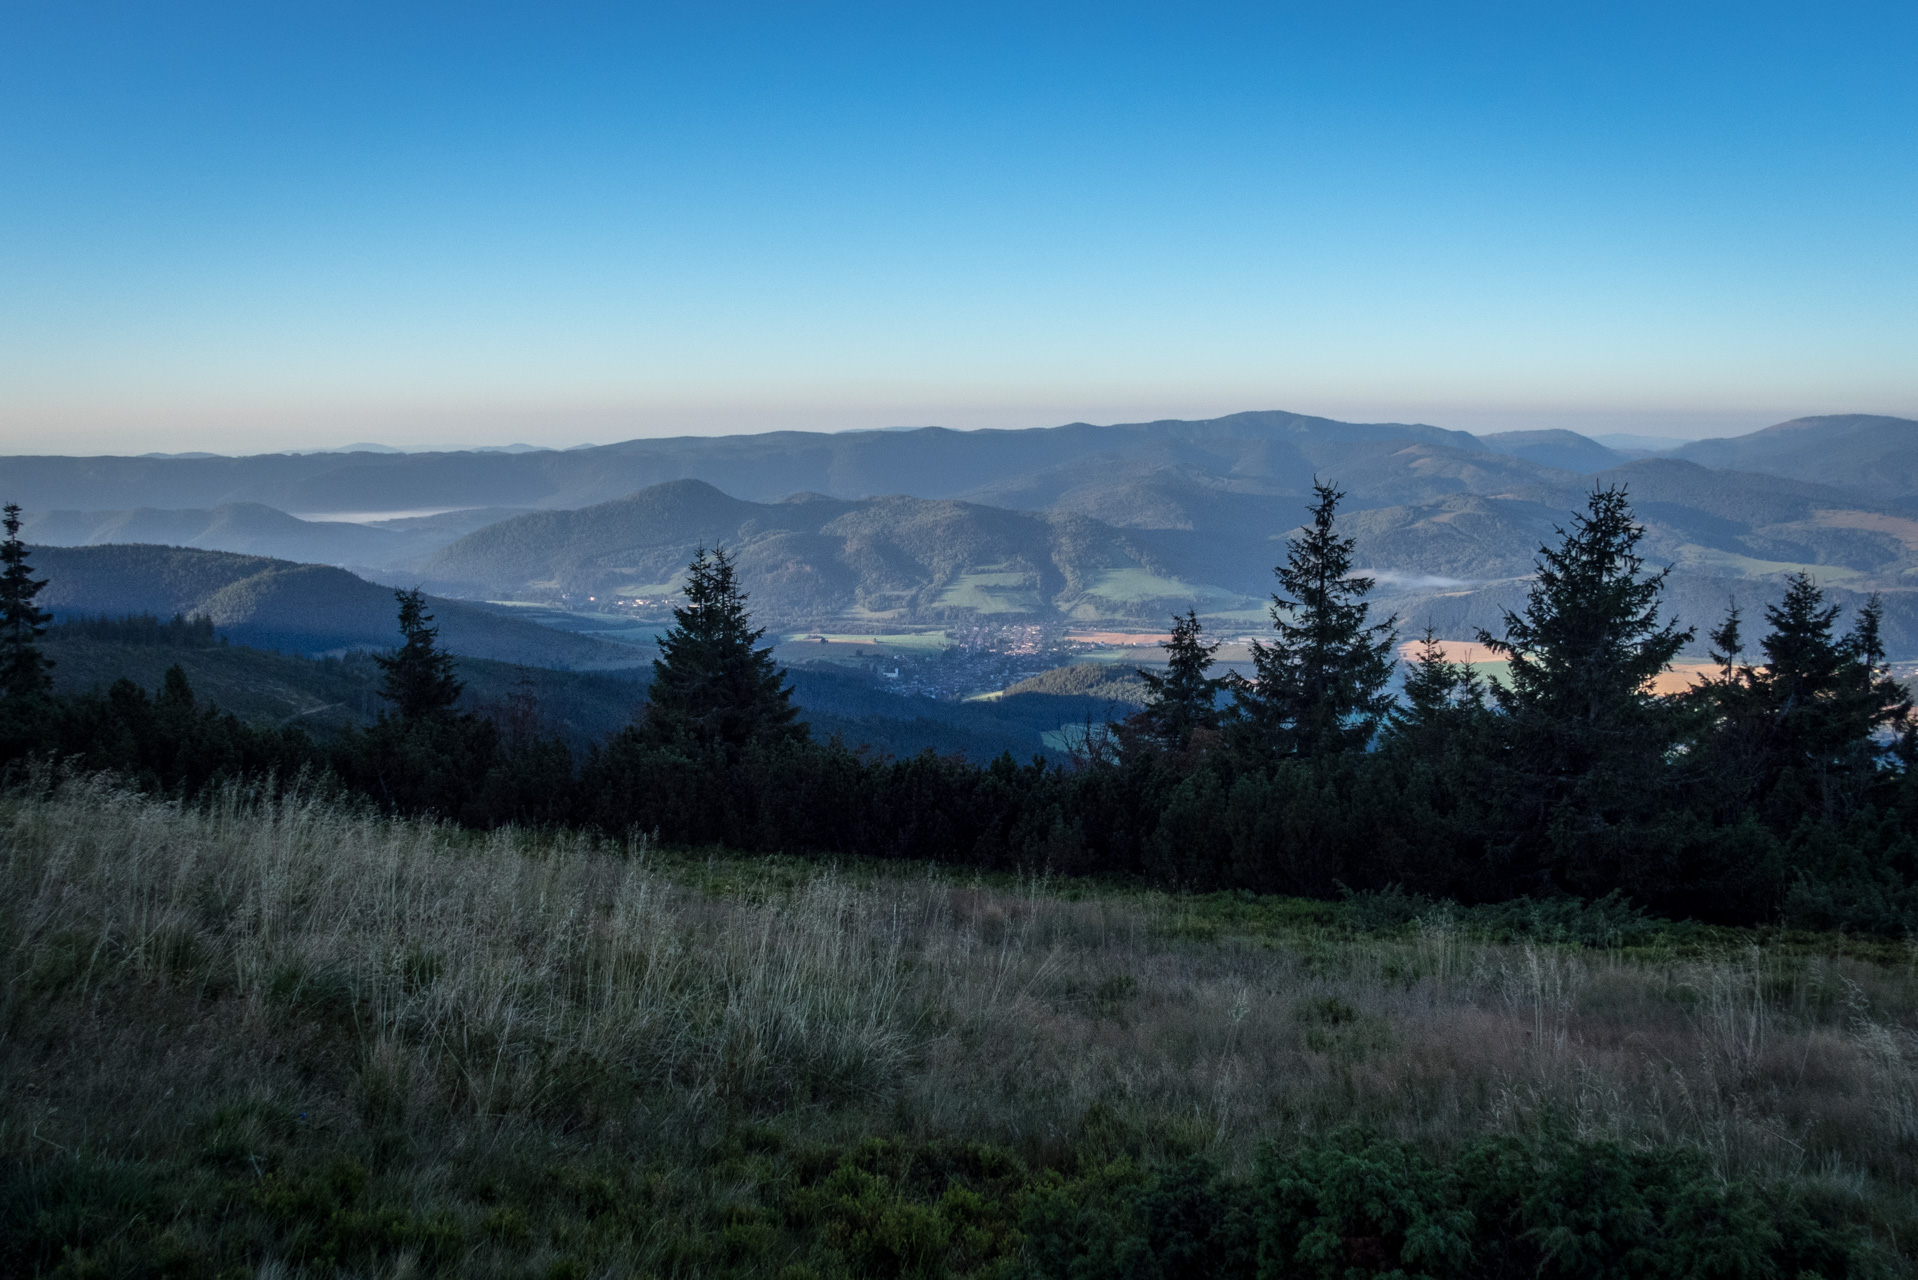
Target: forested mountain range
(814, 557)
(1258, 452)
(930, 462)
(1870, 453)
(1076, 524)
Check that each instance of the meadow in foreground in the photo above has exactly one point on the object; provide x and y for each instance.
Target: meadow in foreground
(285, 1037)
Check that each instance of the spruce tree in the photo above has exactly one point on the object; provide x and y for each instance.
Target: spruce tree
(1184, 698)
(711, 685)
(1729, 755)
(1819, 701)
(24, 670)
(1588, 738)
(1322, 685)
(1443, 707)
(419, 680)
(1728, 641)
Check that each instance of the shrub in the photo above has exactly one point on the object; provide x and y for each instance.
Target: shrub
(1548, 1206)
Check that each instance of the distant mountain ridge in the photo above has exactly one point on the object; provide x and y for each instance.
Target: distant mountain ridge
(1073, 524)
(1563, 450)
(928, 462)
(1030, 468)
(1869, 453)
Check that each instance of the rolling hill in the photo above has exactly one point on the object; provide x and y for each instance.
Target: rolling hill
(1869, 454)
(301, 608)
(1459, 562)
(812, 557)
(251, 528)
(1563, 450)
(1104, 471)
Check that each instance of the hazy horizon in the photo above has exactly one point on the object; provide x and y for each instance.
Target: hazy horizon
(496, 431)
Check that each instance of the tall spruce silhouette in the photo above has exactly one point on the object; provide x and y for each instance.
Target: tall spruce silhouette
(1323, 685)
(712, 685)
(1183, 699)
(1586, 738)
(419, 680)
(1444, 704)
(24, 671)
(1828, 695)
(1814, 709)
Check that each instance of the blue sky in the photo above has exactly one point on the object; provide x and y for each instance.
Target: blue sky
(253, 226)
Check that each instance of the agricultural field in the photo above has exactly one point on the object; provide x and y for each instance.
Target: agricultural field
(1676, 678)
(1137, 586)
(993, 591)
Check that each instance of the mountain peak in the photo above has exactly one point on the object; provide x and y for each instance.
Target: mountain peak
(1873, 453)
(1565, 450)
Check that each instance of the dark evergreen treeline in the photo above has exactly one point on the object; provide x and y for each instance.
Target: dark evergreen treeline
(178, 632)
(1779, 789)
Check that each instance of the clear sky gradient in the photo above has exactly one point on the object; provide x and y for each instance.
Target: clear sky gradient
(259, 226)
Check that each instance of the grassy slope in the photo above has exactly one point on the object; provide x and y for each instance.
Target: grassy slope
(292, 1040)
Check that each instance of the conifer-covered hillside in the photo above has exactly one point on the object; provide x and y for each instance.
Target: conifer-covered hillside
(301, 608)
(813, 557)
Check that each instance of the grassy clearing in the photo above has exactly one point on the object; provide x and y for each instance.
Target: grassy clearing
(1132, 586)
(993, 591)
(288, 1039)
(1691, 555)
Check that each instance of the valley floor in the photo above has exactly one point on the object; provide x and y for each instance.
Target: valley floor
(285, 1038)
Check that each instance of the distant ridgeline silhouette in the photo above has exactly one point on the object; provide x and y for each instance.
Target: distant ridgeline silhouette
(1069, 524)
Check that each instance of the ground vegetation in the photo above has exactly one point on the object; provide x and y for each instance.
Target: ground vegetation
(277, 1034)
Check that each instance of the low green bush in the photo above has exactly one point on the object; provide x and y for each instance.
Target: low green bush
(1544, 1206)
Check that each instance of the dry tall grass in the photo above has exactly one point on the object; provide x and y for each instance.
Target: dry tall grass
(175, 977)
